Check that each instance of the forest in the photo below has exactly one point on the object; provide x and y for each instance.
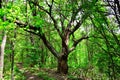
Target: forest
(59, 39)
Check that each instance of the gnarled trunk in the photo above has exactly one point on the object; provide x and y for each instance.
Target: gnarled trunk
(62, 64)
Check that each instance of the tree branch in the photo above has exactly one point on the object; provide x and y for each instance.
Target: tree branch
(86, 14)
(118, 5)
(76, 42)
(79, 23)
(74, 14)
(49, 13)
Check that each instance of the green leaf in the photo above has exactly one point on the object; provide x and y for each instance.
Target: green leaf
(2, 12)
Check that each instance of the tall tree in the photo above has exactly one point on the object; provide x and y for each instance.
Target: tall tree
(65, 18)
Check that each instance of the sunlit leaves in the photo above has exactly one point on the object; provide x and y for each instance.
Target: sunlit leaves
(2, 12)
(6, 25)
(38, 22)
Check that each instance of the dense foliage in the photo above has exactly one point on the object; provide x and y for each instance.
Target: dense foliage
(80, 35)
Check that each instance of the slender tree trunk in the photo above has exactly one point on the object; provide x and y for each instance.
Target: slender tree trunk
(12, 56)
(2, 55)
(12, 61)
(42, 55)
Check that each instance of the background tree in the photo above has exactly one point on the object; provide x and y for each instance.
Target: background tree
(2, 49)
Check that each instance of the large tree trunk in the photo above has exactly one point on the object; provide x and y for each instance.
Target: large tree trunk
(62, 64)
(62, 60)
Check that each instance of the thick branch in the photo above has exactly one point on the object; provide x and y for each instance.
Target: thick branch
(48, 45)
(41, 35)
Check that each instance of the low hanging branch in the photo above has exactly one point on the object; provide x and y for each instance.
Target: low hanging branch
(32, 29)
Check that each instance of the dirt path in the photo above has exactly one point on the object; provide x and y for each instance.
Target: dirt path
(31, 76)
(28, 75)
(49, 73)
(54, 74)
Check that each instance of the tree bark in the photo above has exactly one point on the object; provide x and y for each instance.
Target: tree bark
(62, 60)
(62, 64)
(2, 55)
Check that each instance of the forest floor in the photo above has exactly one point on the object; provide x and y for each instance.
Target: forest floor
(43, 74)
